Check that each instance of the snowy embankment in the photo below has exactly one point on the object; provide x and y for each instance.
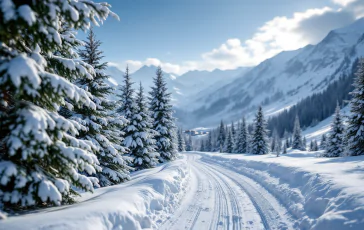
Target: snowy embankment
(319, 193)
(144, 202)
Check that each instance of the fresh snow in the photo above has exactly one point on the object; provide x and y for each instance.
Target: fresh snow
(143, 203)
(222, 191)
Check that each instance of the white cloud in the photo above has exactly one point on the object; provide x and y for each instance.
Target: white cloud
(279, 34)
(343, 2)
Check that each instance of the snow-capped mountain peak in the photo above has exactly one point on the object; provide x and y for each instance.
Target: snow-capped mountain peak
(281, 81)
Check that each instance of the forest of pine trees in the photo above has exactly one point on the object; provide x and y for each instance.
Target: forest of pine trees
(315, 108)
(59, 130)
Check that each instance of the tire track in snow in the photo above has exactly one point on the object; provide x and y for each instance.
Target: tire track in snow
(270, 216)
(223, 210)
(188, 214)
(234, 203)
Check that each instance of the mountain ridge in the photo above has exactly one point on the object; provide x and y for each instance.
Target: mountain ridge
(281, 81)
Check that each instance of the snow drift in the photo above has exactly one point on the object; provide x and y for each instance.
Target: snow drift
(142, 203)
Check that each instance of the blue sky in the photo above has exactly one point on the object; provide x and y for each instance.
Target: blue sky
(182, 35)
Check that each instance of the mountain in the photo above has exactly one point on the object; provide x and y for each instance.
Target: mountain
(196, 80)
(184, 88)
(281, 81)
(146, 74)
(116, 75)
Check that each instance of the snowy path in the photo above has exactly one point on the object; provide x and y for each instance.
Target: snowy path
(220, 198)
(219, 191)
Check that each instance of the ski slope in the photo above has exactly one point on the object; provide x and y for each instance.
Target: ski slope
(201, 191)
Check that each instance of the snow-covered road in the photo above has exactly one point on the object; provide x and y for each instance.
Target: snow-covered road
(219, 191)
(221, 198)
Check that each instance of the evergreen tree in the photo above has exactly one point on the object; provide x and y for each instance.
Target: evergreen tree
(311, 149)
(323, 143)
(274, 138)
(304, 143)
(189, 143)
(221, 136)
(286, 143)
(260, 136)
(103, 126)
(278, 146)
(335, 146)
(41, 160)
(202, 146)
(345, 142)
(315, 145)
(356, 121)
(297, 136)
(181, 141)
(242, 140)
(229, 145)
(128, 109)
(162, 113)
(209, 144)
(143, 151)
(237, 133)
(233, 131)
(285, 148)
(249, 140)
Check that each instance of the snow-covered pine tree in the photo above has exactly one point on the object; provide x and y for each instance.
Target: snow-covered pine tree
(287, 142)
(315, 145)
(144, 150)
(311, 149)
(128, 109)
(42, 161)
(242, 140)
(285, 148)
(202, 146)
(274, 139)
(233, 130)
(345, 141)
(335, 146)
(209, 145)
(237, 132)
(103, 124)
(221, 136)
(297, 136)
(249, 141)
(164, 122)
(229, 143)
(323, 143)
(278, 146)
(355, 131)
(181, 141)
(189, 143)
(260, 143)
(304, 143)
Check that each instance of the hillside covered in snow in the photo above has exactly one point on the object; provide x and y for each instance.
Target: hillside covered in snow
(281, 81)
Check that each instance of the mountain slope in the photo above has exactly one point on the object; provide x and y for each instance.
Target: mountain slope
(282, 80)
(184, 88)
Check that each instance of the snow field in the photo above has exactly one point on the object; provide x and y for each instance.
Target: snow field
(319, 193)
(143, 203)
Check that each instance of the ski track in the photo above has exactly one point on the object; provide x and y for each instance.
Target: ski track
(221, 198)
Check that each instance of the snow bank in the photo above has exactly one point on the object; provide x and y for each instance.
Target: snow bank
(320, 193)
(142, 203)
